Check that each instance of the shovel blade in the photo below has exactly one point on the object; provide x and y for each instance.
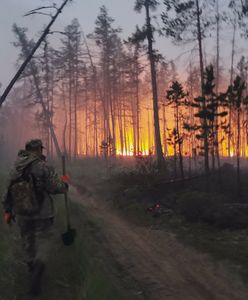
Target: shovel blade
(68, 237)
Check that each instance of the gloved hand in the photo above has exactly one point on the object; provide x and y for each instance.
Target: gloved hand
(7, 218)
(65, 178)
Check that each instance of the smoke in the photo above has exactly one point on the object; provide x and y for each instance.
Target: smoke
(16, 127)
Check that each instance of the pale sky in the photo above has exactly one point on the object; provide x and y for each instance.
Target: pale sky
(86, 11)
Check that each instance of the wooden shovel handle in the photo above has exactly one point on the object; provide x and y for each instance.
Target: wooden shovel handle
(63, 165)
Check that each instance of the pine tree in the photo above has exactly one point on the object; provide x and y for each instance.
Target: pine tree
(207, 112)
(32, 72)
(72, 66)
(148, 33)
(183, 21)
(176, 98)
(106, 38)
(236, 98)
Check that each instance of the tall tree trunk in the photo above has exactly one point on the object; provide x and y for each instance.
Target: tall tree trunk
(52, 111)
(164, 132)
(75, 123)
(47, 93)
(134, 125)
(113, 141)
(149, 130)
(205, 127)
(70, 109)
(158, 146)
(179, 143)
(121, 126)
(231, 81)
(137, 119)
(192, 136)
(75, 93)
(107, 133)
(137, 101)
(95, 119)
(217, 81)
(175, 159)
(124, 130)
(86, 116)
(238, 148)
(65, 121)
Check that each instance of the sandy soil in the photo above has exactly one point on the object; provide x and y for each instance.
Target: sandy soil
(163, 267)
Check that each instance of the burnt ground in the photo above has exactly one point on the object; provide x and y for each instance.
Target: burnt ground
(164, 267)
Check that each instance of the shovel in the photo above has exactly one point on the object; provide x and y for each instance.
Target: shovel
(69, 236)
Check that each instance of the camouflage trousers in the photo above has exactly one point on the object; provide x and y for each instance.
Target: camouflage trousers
(36, 237)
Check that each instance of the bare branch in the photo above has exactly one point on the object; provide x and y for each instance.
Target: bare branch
(37, 13)
(39, 8)
(55, 31)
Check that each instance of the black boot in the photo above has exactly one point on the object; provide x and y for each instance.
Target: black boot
(36, 276)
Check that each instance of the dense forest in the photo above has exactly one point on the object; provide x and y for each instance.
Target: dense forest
(154, 147)
(97, 94)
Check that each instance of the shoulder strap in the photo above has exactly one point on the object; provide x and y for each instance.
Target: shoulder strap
(27, 169)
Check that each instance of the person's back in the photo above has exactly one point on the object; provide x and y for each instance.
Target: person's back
(35, 227)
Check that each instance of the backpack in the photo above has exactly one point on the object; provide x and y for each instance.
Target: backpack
(23, 195)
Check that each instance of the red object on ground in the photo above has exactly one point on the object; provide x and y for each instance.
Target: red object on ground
(153, 208)
(65, 178)
(7, 218)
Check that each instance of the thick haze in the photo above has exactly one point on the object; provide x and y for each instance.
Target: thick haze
(86, 11)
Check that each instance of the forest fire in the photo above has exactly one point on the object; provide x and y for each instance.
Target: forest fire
(134, 104)
(149, 117)
(131, 153)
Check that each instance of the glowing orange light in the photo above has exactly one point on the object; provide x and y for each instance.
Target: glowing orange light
(128, 143)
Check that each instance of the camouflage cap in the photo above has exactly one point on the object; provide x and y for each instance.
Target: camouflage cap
(34, 145)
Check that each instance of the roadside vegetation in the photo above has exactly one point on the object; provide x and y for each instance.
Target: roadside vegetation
(209, 215)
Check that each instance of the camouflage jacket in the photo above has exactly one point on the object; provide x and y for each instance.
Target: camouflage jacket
(47, 182)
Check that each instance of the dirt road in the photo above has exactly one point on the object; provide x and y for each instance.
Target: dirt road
(163, 267)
